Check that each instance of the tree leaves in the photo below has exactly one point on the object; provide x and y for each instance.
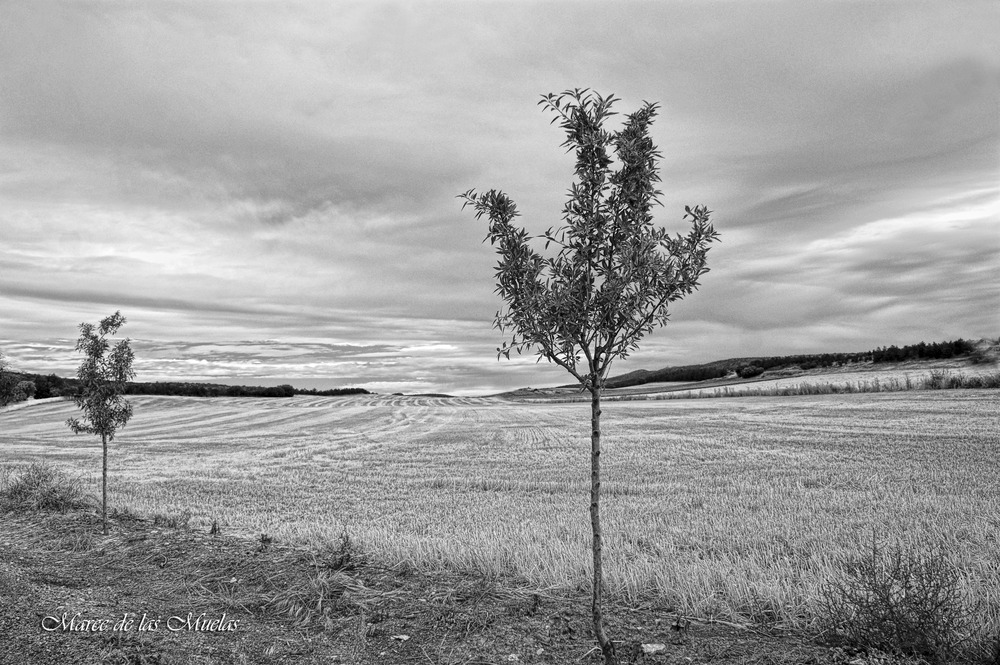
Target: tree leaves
(613, 274)
(102, 378)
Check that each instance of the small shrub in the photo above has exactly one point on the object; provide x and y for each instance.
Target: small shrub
(24, 390)
(991, 381)
(344, 555)
(942, 379)
(973, 382)
(320, 598)
(40, 486)
(329, 592)
(898, 600)
(937, 380)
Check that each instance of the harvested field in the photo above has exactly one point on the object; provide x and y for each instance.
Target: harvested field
(728, 508)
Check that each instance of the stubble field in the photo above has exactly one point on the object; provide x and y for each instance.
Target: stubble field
(732, 508)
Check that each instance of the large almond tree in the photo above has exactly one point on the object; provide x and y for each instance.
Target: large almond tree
(613, 273)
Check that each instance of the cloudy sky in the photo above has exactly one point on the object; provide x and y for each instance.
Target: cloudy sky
(267, 190)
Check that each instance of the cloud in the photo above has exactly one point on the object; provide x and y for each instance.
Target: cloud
(232, 172)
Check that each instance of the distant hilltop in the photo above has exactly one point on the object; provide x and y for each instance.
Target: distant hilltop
(983, 350)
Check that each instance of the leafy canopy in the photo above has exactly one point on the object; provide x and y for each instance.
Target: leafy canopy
(614, 273)
(103, 376)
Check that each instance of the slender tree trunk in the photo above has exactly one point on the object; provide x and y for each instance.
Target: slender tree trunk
(607, 647)
(104, 484)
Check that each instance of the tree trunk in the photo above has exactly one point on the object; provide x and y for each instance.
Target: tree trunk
(104, 484)
(607, 647)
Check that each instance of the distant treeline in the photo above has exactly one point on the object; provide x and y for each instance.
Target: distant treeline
(750, 367)
(56, 386)
(218, 390)
(745, 367)
(958, 347)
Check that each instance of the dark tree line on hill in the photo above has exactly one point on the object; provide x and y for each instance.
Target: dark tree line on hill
(744, 367)
(56, 386)
(188, 389)
(922, 351)
(750, 367)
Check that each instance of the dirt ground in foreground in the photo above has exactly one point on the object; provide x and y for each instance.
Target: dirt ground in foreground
(159, 594)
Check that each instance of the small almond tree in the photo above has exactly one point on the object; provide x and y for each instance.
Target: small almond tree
(613, 274)
(103, 376)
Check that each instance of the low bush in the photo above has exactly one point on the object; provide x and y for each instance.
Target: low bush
(39, 486)
(344, 555)
(901, 601)
(24, 390)
(943, 379)
(321, 599)
(330, 592)
(750, 371)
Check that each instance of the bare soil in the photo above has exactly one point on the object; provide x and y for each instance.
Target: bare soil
(65, 589)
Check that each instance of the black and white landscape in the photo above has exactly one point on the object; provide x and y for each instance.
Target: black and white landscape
(316, 454)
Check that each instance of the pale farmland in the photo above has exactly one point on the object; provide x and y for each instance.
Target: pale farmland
(736, 508)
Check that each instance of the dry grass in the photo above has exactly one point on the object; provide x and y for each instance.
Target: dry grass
(932, 380)
(729, 508)
(39, 486)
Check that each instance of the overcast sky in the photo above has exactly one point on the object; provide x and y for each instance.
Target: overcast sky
(267, 190)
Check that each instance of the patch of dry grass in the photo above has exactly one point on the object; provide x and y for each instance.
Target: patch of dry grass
(39, 486)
